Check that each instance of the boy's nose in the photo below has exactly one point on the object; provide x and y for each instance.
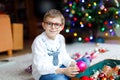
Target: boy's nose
(53, 26)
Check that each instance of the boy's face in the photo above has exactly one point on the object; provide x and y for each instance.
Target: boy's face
(52, 26)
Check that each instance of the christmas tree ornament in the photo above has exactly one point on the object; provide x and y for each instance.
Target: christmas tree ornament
(111, 78)
(84, 78)
(102, 76)
(76, 56)
(93, 55)
(81, 65)
(102, 50)
(107, 70)
(119, 72)
(92, 78)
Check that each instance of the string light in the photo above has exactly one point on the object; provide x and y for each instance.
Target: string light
(83, 1)
(70, 4)
(91, 37)
(86, 14)
(102, 29)
(89, 17)
(111, 22)
(106, 34)
(116, 12)
(75, 34)
(75, 19)
(99, 12)
(79, 39)
(67, 30)
(82, 25)
(73, 11)
(105, 9)
(94, 3)
(67, 10)
(89, 5)
(117, 26)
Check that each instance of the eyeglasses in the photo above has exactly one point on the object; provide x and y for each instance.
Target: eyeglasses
(56, 25)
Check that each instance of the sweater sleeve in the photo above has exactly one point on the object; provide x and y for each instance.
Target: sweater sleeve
(41, 61)
(65, 56)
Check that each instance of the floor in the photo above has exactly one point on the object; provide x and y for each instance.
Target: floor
(27, 48)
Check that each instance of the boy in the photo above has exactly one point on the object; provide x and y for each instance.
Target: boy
(49, 52)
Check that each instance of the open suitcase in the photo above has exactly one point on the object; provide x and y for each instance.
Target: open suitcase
(98, 66)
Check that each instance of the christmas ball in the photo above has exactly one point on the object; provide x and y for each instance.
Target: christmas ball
(76, 56)
(119, 72)
(81, 65)
(111, 77)
(101, 76)
(93, 55)
(107, 70)
(92, 78)
(104, 78)
(102, 50)
(84, 78)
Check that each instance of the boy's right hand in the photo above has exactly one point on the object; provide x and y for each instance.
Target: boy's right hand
(71, 71)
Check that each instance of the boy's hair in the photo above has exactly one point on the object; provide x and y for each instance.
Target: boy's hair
(54, 13)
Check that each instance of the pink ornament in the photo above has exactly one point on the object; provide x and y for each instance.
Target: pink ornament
(93, 55)
(76, 56)
(82, 66)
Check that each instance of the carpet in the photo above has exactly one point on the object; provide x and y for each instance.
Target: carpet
(14, 69)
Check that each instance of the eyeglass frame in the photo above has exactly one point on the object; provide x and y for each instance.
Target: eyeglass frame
(57, 25)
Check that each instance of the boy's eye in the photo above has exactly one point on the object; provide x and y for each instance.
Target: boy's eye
(50, 24)
(56, 24)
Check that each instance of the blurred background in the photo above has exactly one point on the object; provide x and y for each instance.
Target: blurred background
(86, 20)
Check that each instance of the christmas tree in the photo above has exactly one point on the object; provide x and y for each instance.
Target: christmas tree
(85, 18)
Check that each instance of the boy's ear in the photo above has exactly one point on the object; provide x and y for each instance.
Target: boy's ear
(62, 27)
(43, 25)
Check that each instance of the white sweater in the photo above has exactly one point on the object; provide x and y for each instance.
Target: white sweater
(42, 62)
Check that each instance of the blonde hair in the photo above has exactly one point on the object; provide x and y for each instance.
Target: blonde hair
(54, 13)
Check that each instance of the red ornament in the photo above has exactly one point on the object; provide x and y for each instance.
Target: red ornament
(84, 78)
(87, 39)
(92, 78)
(101, 76)
(111, 78)
(119, 72)
(102, 50)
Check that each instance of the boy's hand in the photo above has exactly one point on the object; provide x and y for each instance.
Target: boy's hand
(71, 71)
